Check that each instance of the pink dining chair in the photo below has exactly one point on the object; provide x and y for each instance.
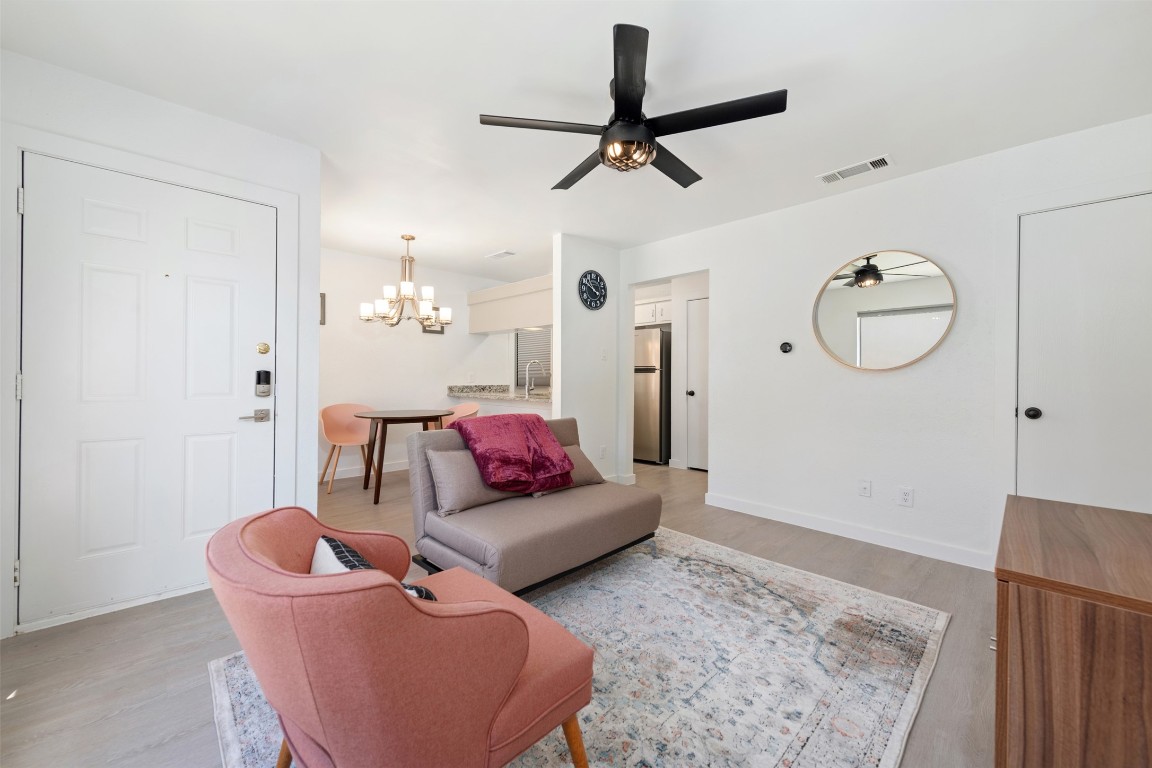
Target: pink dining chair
(462, 411)
(363, 675)
(340, 427)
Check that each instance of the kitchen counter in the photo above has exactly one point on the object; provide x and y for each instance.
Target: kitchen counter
(539, 396)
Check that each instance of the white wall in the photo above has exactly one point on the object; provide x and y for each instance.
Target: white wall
(785, 440)
(67, 109)
(401, 367)
(586, 350)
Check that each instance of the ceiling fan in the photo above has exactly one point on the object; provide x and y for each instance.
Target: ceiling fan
(628, 141)
(869, 274)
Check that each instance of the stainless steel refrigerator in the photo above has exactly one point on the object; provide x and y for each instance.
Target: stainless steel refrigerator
(652, 433)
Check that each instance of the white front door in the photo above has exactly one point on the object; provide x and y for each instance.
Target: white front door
(143, 305)
(1084, 428)
(697, 378)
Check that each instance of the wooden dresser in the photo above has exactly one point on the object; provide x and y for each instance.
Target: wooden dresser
(1074, 636)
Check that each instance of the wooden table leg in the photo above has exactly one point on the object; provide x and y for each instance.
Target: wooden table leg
(371, 445)
(380, 460)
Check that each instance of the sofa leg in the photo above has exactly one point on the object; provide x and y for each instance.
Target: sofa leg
(575, 742)
(285, 759)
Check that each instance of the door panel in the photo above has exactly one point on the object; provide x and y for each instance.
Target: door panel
(1085, 358)
(143, 305)
(697, 377)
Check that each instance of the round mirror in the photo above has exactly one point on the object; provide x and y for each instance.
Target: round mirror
(885, 310)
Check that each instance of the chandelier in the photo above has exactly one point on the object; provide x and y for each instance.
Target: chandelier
(390, 310)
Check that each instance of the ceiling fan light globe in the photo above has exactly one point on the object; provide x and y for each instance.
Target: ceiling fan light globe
(866, 278)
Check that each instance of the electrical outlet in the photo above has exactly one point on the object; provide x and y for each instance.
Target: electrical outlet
(864, 488)
(471, 377)
(904, 495)
(603, 451)
(603, 354)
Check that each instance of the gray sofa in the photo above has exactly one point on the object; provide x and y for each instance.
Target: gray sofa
(520, 541)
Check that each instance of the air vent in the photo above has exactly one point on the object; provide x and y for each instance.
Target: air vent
(854, 170)
(500, 255)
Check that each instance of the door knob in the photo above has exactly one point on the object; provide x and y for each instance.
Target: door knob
(1033, 413)
(691, 393)
(260, 414)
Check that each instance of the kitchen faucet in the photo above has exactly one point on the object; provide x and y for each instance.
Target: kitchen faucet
(528, 379)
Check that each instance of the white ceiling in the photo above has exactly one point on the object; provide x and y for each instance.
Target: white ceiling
(390, 92)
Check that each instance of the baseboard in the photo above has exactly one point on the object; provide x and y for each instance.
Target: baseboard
(960, 555)
(677, 464)
(54, 621)
(622, 479)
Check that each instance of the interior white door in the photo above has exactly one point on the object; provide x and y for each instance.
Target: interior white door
(1085, 359)
(696, 372)
(143, 305)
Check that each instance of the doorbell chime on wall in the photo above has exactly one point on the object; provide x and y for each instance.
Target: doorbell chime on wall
(263, 383)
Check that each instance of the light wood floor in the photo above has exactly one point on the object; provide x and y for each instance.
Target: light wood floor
(131, 688)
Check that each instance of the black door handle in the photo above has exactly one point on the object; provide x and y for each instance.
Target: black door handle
(691, 393)
(1033, 413)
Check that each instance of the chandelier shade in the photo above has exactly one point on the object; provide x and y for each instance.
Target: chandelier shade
(402, 304)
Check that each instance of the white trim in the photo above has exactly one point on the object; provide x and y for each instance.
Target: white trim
(356, 470)
(15, 139)
(622, 479)
(960, 555)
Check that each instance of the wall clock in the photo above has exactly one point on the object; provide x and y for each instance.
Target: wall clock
(593, 290)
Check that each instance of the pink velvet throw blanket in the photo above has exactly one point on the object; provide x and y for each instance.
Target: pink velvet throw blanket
(516, 452)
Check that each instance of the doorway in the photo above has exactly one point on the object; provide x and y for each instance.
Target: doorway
(145, 305)
(1084, 434)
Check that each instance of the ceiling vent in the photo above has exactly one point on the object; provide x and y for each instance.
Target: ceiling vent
(500, 255)
(854, 170)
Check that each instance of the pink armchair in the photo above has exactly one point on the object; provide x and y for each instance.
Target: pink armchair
(362, 674)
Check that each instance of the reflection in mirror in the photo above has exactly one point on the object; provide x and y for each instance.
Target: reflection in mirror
(884, 310)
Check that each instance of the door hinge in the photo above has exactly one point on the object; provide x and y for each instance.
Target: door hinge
(16, 574)
(20, 200)
(19, 386)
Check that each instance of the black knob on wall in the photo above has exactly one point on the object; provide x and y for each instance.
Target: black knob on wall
(691, 393)
(1033, 413)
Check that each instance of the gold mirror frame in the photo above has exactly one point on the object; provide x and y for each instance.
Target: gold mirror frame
(918, 266)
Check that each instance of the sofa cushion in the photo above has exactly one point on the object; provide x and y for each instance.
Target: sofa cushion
(458, 482)
(521, 541)
(334, 556)
(584, 472)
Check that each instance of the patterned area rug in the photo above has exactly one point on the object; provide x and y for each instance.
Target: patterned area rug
(704, 656)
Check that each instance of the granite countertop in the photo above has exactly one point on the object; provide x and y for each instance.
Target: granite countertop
(542, 395)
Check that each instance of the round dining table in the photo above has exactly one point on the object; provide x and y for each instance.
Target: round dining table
(380, 422)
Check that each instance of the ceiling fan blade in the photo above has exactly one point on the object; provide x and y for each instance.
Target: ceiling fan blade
(719, 114)
(630, 55)
(673, 167)
(579, 171)
(850, 282)
(541, 125)
(841, 277)
(910, 264)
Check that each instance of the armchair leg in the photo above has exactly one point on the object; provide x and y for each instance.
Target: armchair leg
(285, 759)
(575, 742)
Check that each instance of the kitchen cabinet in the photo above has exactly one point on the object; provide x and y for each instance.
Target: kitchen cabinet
(654, 312)
(645, 314)
(1073, 633)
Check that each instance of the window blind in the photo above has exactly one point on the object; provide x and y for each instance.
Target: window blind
(534, 345)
